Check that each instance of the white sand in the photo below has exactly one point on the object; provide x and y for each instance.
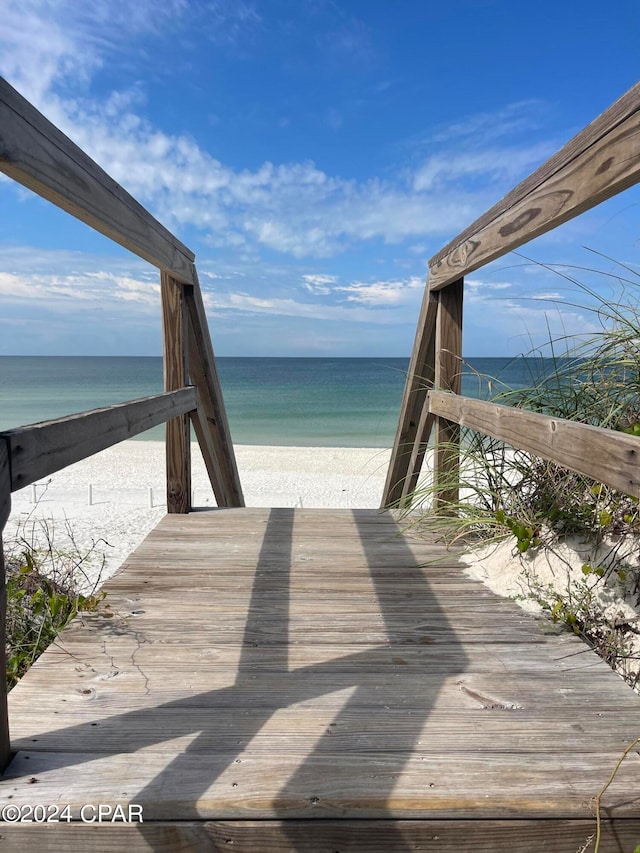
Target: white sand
(609, 602)
(120, 516)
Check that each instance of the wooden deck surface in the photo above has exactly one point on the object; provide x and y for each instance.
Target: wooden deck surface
(283, 679)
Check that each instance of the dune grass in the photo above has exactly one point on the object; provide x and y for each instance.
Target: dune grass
(46, 587)
(507, 494)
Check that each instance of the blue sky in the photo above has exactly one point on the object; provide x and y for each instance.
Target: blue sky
(313, 154)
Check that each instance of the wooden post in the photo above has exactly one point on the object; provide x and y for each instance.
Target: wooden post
(210, 421)
(5, 507)
(176, 376)
(419, 378)
(448, 377)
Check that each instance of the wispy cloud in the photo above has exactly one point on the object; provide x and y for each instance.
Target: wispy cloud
(319, 284)
(384, 294)
(294, 208)
(506, 164)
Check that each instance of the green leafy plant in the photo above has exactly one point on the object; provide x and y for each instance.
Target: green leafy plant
(505, 492)
(46, 587)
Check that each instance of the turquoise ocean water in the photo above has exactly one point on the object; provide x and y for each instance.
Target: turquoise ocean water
(307, 402)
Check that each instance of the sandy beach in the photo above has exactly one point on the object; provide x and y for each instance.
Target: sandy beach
(105, 505)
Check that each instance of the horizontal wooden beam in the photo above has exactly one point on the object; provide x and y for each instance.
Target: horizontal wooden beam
(606, 456)
(41, 449)
(602, 160)
(38, 155)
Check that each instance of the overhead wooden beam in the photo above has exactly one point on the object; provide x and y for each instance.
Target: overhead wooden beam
(39, 156)
(41, 449)
(602, 160)
(419, 379)
(210, 422)
(605, 455)
(176, 376)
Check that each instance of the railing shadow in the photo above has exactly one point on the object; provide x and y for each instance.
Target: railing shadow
(358, 755)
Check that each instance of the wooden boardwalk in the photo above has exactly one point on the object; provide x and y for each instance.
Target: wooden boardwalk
(283, 679)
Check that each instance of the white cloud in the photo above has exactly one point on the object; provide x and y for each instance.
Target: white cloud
(551, 296)
(319, 284)
(384, 293)
(487, 285)
(294, 208)
(519, 116)
(87, 290)
(506, 164)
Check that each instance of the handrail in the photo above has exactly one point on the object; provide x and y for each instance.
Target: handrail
(38, 155)
(607, 456)
(41, 449)
(600, 161)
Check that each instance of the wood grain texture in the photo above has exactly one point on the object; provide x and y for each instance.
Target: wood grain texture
(5, 483)
(419, 380)
(176, 376)
(420, 442)
(210, 421)
(5, 508)
(42, 449)
(39, 156)
(597, 163)
(607, 456)
(240, 785)
(324, 836)
(288, 665)
(5, 744)
(448, 377)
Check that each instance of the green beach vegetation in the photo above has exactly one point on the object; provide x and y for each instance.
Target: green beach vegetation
(47, 585)
(584, 534)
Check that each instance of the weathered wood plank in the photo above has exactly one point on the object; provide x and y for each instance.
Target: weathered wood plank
(605, 455)
(5, 508)
(419, 379)
(5, 745)
(44, 448)
(38, 155)
(302, 785)
(366, 728)
(210, 421)
(278, 693)
(528, 658)
(448, 377)
(176, 376)
(384, 836)
(5, 483)
(604, 166)
(320, 836)
(423, 432)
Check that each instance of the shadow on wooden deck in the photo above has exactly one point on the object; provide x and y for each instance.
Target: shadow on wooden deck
(327, 780)
(294, 680)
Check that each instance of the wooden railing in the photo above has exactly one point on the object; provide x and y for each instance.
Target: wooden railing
(39, 156)
(601, 161)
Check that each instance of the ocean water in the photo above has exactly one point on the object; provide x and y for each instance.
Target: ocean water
(306, 402)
